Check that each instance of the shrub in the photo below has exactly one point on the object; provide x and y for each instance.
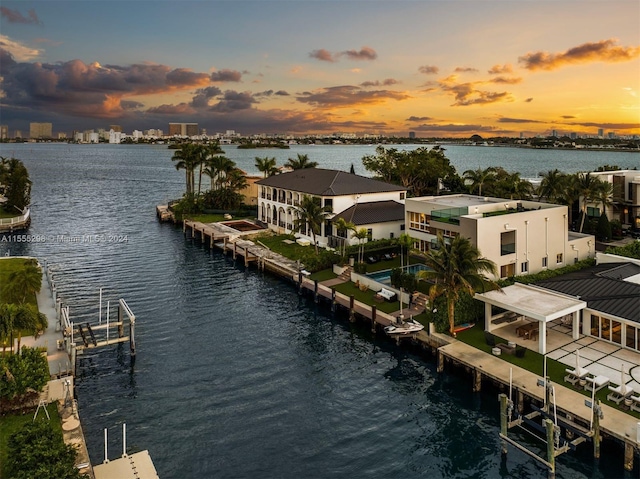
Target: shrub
(631, 250)
(21, 373)
(37, 451)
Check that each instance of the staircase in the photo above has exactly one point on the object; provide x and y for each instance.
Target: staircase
(421, 301)
(346, 274)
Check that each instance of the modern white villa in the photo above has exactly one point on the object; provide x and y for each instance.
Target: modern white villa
(520, 236)
(625, 204)
(366, 202)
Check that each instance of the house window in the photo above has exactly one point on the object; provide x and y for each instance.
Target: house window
(559, 258)
(391, 235)
(369, 234)
(402, 227)
(507, 243)
(401, 196)
(524, 267)
(632, 336)
(507, 270)
(328, 202)
(544, 261)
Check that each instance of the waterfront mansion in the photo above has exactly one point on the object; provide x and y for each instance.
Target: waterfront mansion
(367, 203)
(520, 236)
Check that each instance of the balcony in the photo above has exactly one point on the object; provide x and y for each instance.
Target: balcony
(449, 215)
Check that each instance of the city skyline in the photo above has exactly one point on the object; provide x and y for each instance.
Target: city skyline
(458, 68)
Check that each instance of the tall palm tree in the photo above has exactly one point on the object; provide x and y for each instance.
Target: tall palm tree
(569, 193)
(187, 158)
(7, 320)
(309, 214)
(360, 234)
(217, 168)
(604, 195)
(478, 178)
(551, 185)
(406, 243)
(587, 187)
(266, 165)
(23, 283)
(28, 318)
(301, 162)
(456, 267)
(343, 225)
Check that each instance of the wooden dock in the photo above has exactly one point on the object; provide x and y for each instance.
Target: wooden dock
(482, 366)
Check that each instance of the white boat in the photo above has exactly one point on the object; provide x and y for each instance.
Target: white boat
(405, 327)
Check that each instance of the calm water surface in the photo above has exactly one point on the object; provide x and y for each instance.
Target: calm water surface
(236, 375)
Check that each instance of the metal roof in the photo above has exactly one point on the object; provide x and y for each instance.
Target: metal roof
(602, 288)
(372, 212)
(322, 182)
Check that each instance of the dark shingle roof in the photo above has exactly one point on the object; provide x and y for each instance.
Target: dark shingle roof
(321, 182)
(602, 289)
(373, 212)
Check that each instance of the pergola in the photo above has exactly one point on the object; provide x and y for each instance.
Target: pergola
(535, 303)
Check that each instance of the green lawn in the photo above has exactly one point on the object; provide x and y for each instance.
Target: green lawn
(5, 214)
(534, 362)
(9, 424)
(323, 275)
(8, 266)
(276, 243)
(366, 297)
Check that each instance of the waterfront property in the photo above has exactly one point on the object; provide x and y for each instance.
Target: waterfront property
(625, 202)
(368, 203)
(519, 236)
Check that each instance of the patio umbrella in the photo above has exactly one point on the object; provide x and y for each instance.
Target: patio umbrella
(578, 361)
(623, 386)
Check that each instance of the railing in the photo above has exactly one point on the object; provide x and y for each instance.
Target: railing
(16, 219)
(281, 224)
(289, 201)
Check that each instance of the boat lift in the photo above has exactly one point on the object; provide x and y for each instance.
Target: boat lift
(546, 425)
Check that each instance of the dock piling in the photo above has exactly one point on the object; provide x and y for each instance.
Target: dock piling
(503, 425)
(551, 453)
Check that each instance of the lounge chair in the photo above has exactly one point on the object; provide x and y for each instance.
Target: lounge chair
(598, 382)
(575, 375)
(617, 395)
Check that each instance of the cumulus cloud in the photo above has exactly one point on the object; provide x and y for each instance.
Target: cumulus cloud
(428, 69)
(419, 118)
(172, 110)
(18, 50)
(322, 55)
(226, 76)
(469, 93)
(282, 93)
(14, 16)
(500, 69)
(233, 101)
(203, 95)
(455, 128)
(365, 53)
(603, 51)
(505, 80)
(343, 96)
(465, 70)
(386, 82)
(92, 90)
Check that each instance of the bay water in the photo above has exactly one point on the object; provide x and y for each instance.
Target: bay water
(237, 376)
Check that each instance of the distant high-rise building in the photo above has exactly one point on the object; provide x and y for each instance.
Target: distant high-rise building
(573, 135)
(412, 135)
(554, 133)
(183, 129)
(4, 132)
(18, 134)
(600, 133)
(40, 130)
(611, 135)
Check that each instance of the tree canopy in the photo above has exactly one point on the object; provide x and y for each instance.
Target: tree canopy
(420, 171)
(15, 185)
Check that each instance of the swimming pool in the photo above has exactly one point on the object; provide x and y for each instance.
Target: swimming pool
(384, 276)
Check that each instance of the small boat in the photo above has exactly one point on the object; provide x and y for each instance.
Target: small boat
(405, 327)
(462, 327)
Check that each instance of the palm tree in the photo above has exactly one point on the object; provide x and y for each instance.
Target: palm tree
(187, 158)
(266, 165)
(478, 178)
(587, 187)
(343, 225)
(551, 185)
(7, 321)
(456, 267)
(406, 243)
(23, 283)
(217, 168)
(309, 214)
(568, 194)
(28, 318)
(360, 234)
(301, 162)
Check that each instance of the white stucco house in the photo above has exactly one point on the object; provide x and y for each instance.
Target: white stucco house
(519, 236)
(366, 202)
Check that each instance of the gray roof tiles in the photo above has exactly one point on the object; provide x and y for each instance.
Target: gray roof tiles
(373, 212)
(322, 182)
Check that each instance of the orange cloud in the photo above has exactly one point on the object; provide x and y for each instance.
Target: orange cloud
(602, 51)
(348, 96)
(467, 94)
(500, 69)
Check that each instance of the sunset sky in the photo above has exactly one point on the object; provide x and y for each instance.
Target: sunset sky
(439, 68)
